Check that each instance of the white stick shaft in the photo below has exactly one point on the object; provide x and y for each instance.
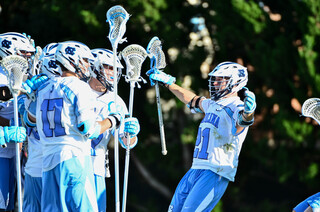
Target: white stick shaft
(161, 126)
(127, 161)
(18, 167)
(116, 135)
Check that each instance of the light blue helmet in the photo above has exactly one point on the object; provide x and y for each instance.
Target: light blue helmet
(72, 55)
(235, 76)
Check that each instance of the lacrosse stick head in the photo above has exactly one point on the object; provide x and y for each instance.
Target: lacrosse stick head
(311, 108)
(103, 67)
(35, 62)
(15, 68)
(117, 17)
(133, 55)
(155, 53)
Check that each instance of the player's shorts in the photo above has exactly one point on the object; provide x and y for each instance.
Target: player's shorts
(312, 201)
(101, 192)
(69, 186)
(32, 193)
(198, 190)
(7, 183)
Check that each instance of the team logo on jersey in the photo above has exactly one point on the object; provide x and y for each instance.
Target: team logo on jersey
(70, 50)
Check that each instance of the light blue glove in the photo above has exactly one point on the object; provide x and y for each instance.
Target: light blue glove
(90, 129)
(160, 76)
(131, 126)
(12, 134)
(21, 106)
(249, 102)
(34, 83)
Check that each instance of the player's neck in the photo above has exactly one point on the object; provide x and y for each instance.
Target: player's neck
(68, 74)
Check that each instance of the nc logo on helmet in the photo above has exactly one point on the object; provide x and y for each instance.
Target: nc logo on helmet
(6, 44)
(52, 64)
(241, 73)
(70, 50)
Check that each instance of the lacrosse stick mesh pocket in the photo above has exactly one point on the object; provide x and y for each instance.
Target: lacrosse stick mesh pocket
(311, 108)
(154, 50)
(134, 55)
(15, 68)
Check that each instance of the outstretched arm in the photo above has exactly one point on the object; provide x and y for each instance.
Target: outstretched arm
(184, 95)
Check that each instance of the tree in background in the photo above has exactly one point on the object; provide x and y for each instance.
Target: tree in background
(277, 40)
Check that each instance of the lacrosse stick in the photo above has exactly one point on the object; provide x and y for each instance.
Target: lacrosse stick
(15, 68)
(158, 61)
(117, 17)
(311, 108)
(133, 55)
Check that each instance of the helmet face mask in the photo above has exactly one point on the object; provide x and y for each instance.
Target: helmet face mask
(75, 57)
(103, 67)
(227, 78)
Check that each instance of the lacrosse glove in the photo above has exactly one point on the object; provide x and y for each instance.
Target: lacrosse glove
(90, 129)
(131, 126)
(249, 102)
(21, 106)
(249, 108)
(31, 85)
(161, 77)
(12, 134)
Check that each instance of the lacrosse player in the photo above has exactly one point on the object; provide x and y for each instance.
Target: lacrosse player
(101, 82)
(220, 135)
(311, 204)
(33, 168)
(11, 43)
(66, 123)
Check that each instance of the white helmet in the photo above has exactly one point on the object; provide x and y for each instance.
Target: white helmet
(235, 75)
(13, 43)
(104, 57)
(71, 54)
(47, 61)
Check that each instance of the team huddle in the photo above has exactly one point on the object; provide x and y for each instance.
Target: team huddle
(68, 126)
(68, 115)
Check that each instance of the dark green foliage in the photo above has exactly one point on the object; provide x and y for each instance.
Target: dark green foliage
(279, 163)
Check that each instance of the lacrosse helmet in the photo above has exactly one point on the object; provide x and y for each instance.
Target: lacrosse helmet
(104, 57)
(73, 56)
(235, 76)
(13, 43)
(47, 62)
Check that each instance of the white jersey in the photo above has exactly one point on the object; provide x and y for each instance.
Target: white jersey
(34, 163)
(6, 111)
(218, 146)
(62, 104)
(99, 146)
